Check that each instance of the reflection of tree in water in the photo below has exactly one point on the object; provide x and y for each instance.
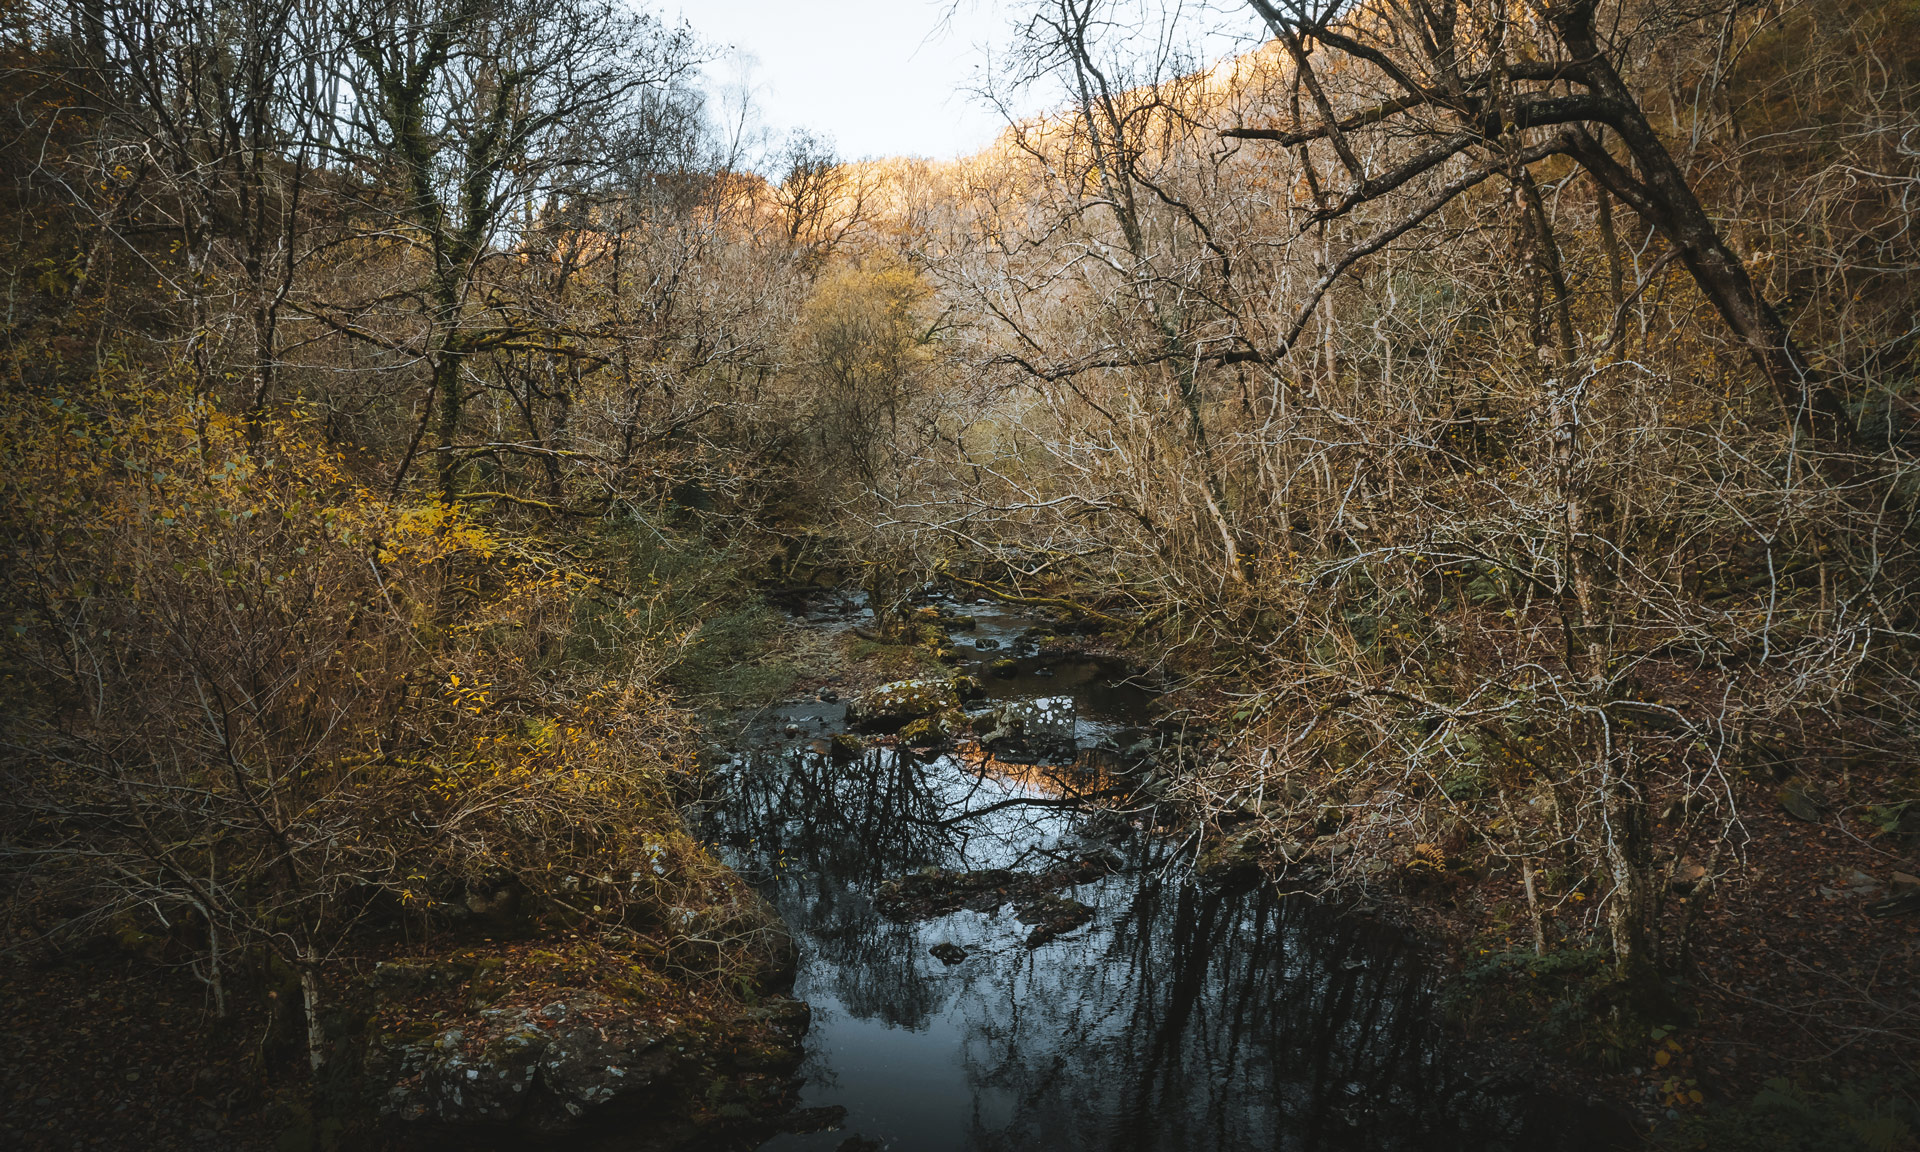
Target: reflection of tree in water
(840, 830)
(1225, 1021)
(1179, 1019)
(1200, 1025)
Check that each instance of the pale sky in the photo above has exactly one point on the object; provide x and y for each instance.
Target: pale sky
(877, 77)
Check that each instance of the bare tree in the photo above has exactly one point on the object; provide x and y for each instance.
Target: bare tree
(822, 199)
(485, 115)
(1516, 537)
(1501, 90)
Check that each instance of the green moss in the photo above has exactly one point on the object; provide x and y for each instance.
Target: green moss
(933, 731)
(408, 1032)
(1788, 1117)
(676, 583)
(637, 987)
(728, 659)
(889, 660)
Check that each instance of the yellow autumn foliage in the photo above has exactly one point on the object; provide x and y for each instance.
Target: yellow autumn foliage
(243, 688)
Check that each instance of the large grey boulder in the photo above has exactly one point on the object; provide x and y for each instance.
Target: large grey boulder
(495, 1072)
(590, 1063)
(545, 1068)
(459, 1075)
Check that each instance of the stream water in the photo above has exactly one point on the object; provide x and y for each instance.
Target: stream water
(1179, 1017)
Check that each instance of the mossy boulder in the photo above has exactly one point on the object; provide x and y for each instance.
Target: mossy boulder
(1232, 861)
(933, 731)
(845, 746)
(890, 707)
(922, 733)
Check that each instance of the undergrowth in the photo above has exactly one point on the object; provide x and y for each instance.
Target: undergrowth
(1788, 1117)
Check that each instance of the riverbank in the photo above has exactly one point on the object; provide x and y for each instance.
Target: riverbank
(1788, 1003)
(505, 1040)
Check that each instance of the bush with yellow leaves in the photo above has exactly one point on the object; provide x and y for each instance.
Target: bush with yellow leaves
(263, 711)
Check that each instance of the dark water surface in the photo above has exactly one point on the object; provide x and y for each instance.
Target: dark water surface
(1179, 1018)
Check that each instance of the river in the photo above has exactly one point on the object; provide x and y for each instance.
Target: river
(1180, 1016)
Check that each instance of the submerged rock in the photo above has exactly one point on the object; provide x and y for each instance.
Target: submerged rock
(803, 1120)
(1051, 916)
(934, 892)
(948, 952)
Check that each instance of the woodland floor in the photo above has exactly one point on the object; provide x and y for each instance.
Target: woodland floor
(1794, 977)
(1789, 976)
(108, 1052)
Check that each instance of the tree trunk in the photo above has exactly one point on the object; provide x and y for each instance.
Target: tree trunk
(1628, 856)
(310, 1004)
(1663, 197)
(446, 375)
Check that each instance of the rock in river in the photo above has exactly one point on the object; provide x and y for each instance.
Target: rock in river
(948, 952)
(932, 732)
(891, 706)
(1042, 727)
